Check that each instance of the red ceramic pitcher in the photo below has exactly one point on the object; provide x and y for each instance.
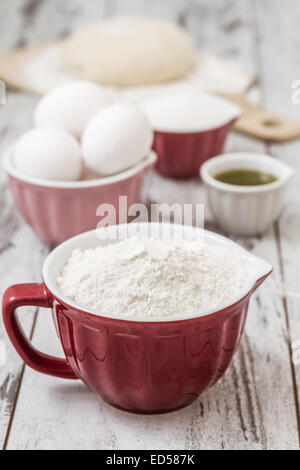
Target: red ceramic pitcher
(140, 365)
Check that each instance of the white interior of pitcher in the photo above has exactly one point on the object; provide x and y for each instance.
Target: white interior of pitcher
(255, 267)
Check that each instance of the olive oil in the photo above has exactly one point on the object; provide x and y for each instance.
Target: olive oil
(245, 177)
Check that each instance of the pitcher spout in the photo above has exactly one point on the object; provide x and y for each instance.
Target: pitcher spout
(259, 269)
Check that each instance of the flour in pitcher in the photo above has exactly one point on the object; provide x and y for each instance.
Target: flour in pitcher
(147, 277)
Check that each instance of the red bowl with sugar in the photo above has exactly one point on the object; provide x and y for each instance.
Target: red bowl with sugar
(188, 129)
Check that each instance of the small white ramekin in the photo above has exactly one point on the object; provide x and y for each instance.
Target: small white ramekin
(245, 210)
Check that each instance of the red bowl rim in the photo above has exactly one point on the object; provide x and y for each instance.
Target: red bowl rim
(233, 112)
(263, 270)
(126, 319)
(195, 132)
(148, 161)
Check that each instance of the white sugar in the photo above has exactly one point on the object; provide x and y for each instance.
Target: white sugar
(189, 111)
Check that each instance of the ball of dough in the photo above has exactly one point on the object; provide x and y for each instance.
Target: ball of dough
(116, 138)
(71, 106)
(129, 51)
(48, 153)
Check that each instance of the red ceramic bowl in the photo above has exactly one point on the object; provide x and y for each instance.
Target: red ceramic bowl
(140, 365)
(180, 155)
(184, 141)
(58, 210)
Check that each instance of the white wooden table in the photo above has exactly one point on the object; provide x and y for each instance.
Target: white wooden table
(256, 404)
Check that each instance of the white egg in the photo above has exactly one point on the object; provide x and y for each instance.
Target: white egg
(116, 138)
(48, 153)
(71, 106)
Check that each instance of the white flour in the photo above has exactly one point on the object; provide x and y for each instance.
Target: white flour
(151, 277)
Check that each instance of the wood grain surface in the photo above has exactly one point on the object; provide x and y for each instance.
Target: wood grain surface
(256, 404)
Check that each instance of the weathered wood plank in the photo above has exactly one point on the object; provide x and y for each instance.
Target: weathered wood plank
(21, 253)
(277, 30)
(20, 261)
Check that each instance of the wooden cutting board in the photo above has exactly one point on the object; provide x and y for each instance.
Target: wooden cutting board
(263, 124)
(38, 69)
